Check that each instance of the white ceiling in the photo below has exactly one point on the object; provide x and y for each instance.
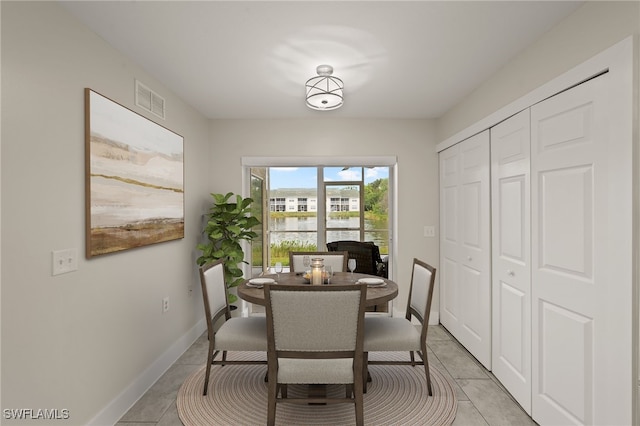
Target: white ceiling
(240, 59)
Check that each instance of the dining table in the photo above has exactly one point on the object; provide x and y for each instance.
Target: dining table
(379, 291)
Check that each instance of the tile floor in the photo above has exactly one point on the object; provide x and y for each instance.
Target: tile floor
(482, 400)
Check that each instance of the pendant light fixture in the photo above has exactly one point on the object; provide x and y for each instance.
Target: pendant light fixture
(324, 92)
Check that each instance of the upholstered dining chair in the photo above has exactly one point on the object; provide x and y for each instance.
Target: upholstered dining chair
(234, 334)
(400, 334)
(315, 337)
(336, 259)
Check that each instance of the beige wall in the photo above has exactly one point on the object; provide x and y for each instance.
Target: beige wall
(77, 340)
(412, 141)
(589, 30)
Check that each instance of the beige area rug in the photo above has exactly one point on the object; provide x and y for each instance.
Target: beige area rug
(237, 395)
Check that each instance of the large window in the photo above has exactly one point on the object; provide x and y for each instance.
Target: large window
(308, 206)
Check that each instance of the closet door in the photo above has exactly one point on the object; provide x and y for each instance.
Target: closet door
(511, 265)
(465, 293)
(581, 307)
(449, 238)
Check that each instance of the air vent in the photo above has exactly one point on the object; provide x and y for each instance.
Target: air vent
(149, 100)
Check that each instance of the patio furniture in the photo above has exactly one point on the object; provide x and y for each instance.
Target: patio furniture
(367, 255)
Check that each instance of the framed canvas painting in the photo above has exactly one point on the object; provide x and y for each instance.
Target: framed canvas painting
(134, 179)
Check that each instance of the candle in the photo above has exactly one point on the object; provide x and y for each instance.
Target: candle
(316, 276)
(317, 272)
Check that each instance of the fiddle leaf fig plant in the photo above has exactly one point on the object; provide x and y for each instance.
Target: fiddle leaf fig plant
(230, 221)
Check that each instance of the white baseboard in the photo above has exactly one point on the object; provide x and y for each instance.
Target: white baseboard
(117, 408)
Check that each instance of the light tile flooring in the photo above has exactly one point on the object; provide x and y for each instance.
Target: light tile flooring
(482, 400)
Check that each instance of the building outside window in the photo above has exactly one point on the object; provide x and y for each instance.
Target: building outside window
(277, 204)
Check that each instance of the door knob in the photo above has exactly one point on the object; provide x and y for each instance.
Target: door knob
(510, 273)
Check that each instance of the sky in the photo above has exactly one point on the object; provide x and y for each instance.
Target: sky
(306, 177)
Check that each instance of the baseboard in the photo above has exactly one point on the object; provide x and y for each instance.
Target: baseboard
(117, 408)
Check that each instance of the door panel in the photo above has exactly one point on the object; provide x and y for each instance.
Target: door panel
(449, 293)
(511, 265)
(567, 191)
(449, 178)
(581, 312)
(566, 370)
(465, 286)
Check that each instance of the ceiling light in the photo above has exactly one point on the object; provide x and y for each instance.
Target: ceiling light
(325, 91)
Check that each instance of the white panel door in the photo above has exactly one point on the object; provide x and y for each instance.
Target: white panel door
(465, 292)
(511, 256)
(449, 237)
(581, 312)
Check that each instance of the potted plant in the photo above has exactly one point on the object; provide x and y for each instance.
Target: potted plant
(230, 222)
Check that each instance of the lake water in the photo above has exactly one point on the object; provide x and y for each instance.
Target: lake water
(303, 229)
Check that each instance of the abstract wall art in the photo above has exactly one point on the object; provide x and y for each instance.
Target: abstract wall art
(134, 185)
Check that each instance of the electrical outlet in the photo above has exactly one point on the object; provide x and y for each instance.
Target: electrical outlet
(165, 304)
(63, 261)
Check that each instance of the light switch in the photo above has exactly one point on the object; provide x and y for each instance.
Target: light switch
(64, 261)
(430, 231)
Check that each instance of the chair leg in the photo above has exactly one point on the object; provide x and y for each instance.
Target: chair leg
(210, 356)
(365, 371)
(358, 390)
(425, 361)
(271, 402)
(348, 391)
(283, 391)
(413, 358)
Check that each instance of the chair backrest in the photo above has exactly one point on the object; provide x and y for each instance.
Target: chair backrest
(421, 291)
(337, 259)
(366, 254)
(324, 319)
(214, 292)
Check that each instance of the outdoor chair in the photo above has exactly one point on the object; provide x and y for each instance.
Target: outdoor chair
(315, 337)
(234, 334)
(400, 334)
(366, 254)
(368, 261)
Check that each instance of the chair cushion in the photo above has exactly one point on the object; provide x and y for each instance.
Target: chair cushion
(242, 334)
(390, 334)
(315, 371)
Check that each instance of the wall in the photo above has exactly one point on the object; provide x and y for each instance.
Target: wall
(412, 141)
(591, 29)
(77, 341)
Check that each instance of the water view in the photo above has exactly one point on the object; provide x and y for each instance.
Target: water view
(303, 231)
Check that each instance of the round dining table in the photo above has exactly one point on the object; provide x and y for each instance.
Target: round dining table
(377, 294)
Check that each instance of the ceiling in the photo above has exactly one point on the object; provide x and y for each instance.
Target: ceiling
(241, 59)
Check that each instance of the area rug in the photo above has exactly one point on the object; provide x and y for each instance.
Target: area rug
(397, 395)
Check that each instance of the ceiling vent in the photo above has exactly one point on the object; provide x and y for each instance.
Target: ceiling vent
(149, 100)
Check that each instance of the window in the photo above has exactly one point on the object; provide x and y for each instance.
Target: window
(311, 205)
(277, 204)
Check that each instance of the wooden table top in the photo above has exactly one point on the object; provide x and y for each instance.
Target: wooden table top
(375, 295)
